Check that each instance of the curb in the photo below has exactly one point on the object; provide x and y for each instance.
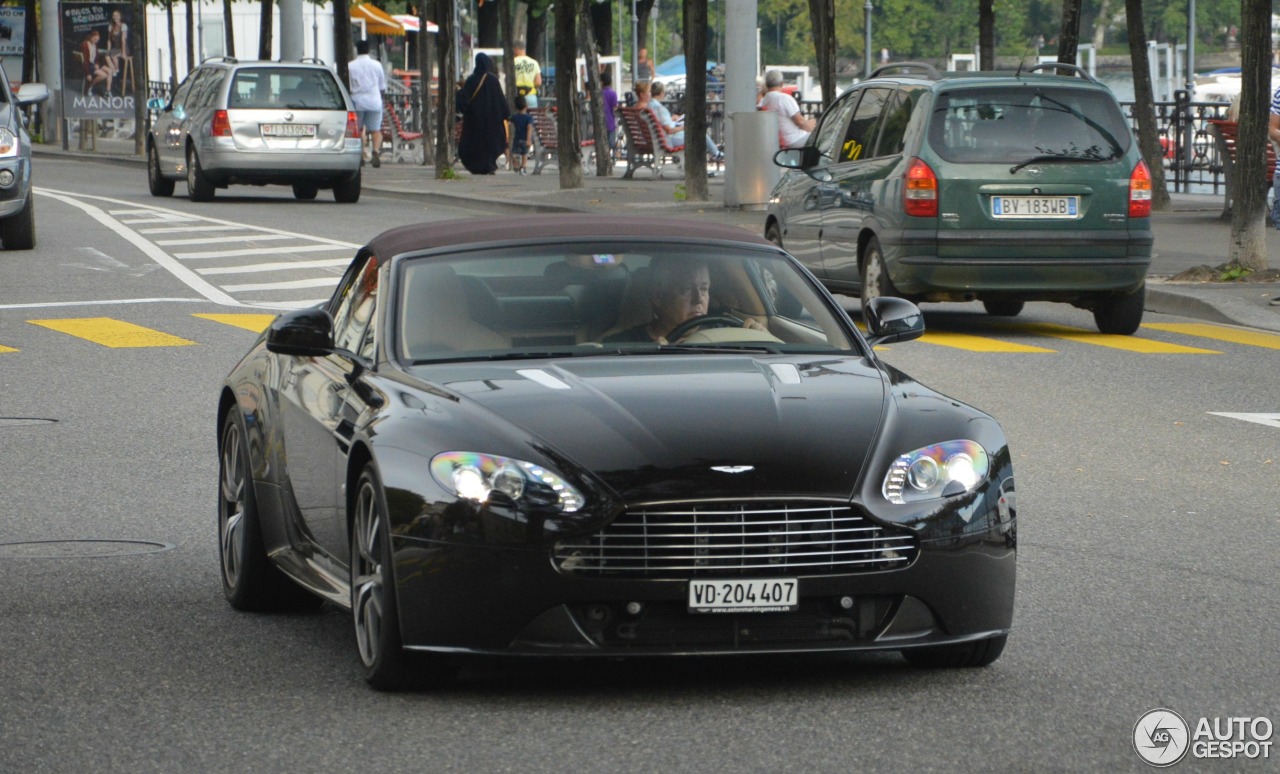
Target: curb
(1185, 302)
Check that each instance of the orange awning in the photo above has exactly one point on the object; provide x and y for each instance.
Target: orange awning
(376, 21)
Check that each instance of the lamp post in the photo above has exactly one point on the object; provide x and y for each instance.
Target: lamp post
(866, 43)
(635, 42)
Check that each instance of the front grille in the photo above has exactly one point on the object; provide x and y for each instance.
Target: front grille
(761, 538)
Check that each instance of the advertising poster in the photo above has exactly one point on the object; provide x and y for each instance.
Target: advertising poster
(99, 48)
(12, 34)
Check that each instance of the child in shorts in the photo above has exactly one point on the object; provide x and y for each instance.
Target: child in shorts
(521, 136)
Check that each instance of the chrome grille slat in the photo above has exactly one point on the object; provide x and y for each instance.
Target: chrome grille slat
(748, 538)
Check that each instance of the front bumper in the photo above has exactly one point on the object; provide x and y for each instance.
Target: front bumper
(515, 602)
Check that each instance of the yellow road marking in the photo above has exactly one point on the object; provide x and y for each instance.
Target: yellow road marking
(977, 343)
(1220, 333)
(112, 333)
(4, 349)
(1126, 343)
(250, 322)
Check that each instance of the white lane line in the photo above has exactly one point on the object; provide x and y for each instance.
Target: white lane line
(188, 277)
(1272, 420)
(118, 213)
(258, 251)
(112, 302)
(317, 282)
(279, 266)
(160, 217)
(187, 229)
(222, 239)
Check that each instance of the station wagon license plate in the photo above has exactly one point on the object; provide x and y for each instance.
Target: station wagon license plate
(780, 595)
(1035, 206)
(288, 130)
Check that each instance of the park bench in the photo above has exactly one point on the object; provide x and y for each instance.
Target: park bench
(1225, 136)
(648, 144)
(546, 142)
(403, 142)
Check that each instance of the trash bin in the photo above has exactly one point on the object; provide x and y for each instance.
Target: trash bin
(750, 173)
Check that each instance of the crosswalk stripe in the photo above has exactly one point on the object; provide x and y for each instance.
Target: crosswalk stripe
(279, 266)
(112, 333)
(185, 229)
(971, 343)
(318, 282)
(223, 239)
(259, 251)
(250, 322)
(1126, 343)
(1220, 333)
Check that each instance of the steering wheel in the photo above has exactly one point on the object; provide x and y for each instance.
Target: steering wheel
(703, 321)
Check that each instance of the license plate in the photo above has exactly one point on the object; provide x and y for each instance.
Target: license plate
(1035, 206)
(288, 130)
(744, 596)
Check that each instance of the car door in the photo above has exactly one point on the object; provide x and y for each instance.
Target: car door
(169, 129)
(799, 190)
(846, 198)
(317, 425)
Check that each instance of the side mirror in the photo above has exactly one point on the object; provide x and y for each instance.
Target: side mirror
(891, 319)
(157, 103)
(31, 94)
(302, 332)
(789, 158)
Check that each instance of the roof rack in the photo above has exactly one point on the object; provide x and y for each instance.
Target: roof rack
(311, 60)
(227, 59)
(928, 70)
(1073, 69)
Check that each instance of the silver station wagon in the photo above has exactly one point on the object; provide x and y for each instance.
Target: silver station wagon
(256, 123)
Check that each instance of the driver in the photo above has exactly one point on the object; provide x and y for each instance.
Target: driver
(679, 290)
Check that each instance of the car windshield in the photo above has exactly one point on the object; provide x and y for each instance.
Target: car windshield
(285, 87)
(1017, 124)
(594, 299)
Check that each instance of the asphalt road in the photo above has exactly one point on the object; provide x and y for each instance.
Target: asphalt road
(1147, 571)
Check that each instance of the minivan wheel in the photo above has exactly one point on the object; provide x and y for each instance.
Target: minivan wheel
(199, 187)
(1003, 308)
(1120, 315)
(875, 278)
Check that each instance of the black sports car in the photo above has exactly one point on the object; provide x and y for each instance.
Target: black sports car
(580, 436)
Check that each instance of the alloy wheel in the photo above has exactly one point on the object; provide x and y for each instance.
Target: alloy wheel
(232, 511)
(367, 574)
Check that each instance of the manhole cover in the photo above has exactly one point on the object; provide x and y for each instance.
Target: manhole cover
(79, 549)
(24, 421)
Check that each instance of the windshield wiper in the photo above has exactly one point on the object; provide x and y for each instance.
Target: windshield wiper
(717, 349)
(540, 355)
(1058, 157)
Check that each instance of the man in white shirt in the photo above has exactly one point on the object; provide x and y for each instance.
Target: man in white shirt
(793, 126)
(368, 81)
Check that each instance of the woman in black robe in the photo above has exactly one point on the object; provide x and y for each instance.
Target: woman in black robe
(484, 112)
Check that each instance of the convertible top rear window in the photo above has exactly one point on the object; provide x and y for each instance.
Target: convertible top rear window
(1012, 124)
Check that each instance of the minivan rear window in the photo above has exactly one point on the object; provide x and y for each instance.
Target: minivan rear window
(1017, 124)
(282, 87)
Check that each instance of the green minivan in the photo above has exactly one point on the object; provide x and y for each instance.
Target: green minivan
(998, 187)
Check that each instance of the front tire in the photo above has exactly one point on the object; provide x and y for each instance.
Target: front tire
(970, 654)
(1121, 315)
(348, 191)
(249, 580)
(875, 277)
(199, 187)
(387, 665)
(18, 231)
(157, 182)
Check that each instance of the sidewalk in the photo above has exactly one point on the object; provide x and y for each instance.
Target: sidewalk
(1192, 234)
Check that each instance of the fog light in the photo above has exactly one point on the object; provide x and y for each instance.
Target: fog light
(634, 608)
(6, 178)
(846, 603)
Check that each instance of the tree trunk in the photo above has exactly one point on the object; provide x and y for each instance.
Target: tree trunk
(1144, 105)
(426, 51)
(191, 38)
(29, 42)
(139, 74)
(508, 54)
(1100, 24)
(604, 164)
(173, 48)
(695, 96)
(602, 25)
(265, 29)
(342, 38)
(569, 150)
(487, 33)
(822, 19)
(986, 35)
(536, 35)
(1248, 227)
(229, 30)
(1069, 34)
(445, 109)
(643, 9)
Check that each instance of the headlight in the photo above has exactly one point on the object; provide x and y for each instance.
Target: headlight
(475, 476)
(8, 143)
(941, 470)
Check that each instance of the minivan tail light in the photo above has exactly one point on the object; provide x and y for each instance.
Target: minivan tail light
(920, 196)
(1140, 191)
(353, 126)
(221, 124)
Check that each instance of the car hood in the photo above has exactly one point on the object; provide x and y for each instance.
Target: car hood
(688, 427)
